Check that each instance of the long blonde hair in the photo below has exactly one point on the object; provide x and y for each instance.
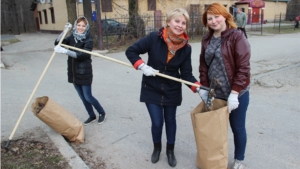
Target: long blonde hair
(178, 12)
(218, 9)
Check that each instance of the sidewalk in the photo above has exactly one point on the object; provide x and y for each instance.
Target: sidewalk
(124, 140)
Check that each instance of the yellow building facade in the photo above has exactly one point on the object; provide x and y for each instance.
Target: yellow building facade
(52, 14)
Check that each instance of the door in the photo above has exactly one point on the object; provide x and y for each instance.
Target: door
(255, 15)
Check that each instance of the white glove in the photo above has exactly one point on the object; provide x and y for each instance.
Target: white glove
(204, 94)
(68, 25)
(148, 70)
(232, 102)
(59, 49)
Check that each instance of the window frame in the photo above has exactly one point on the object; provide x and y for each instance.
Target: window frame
(106, 5)
(151, 5)
(45, 16)
(40, 17)
(51, 9)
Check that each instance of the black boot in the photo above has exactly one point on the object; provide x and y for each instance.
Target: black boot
(170, 154)
(156, 152)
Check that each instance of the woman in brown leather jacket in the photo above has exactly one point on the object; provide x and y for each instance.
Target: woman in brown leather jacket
(225, 56)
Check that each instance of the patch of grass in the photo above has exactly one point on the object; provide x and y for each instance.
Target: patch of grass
(54, 159)
(287, 29)
(26, 154)
(10, 41)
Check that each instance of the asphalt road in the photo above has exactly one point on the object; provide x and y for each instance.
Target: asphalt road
(124, 140)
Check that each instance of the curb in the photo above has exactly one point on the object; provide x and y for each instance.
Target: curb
(65, 149)
(101, 51)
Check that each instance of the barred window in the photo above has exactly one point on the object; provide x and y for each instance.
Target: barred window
(52, 14)
(45, 16)
(40, 17)
(106, 5)
(151, 5)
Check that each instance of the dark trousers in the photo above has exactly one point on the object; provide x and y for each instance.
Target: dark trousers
(85, 94)
(237, 120)
(296, 24)
(160, 114)
(243, 30)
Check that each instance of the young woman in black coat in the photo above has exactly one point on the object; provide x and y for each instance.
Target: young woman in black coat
(80, 71)
(168, 53)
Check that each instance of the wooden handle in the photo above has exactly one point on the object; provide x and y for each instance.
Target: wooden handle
(129, 65)
(36, 86)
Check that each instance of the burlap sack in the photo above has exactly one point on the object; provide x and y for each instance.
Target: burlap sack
(211, 134)
(58, 119)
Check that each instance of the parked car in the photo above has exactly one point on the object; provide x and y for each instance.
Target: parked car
(112, 27)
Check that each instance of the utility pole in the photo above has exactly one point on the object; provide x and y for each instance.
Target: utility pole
(100, 42)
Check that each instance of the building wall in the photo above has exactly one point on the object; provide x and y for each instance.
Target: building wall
(274, 8)
(60, 14)
(120, 9)
(270, 10)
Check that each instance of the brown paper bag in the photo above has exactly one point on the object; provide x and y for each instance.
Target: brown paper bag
(58, 119)
(211, 134)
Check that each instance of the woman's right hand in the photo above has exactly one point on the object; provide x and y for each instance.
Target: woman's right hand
(68, 25)
(148, 70)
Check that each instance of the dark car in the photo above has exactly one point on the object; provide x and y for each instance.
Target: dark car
(112, 27)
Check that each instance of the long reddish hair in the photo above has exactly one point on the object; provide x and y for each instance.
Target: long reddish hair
(218, 9)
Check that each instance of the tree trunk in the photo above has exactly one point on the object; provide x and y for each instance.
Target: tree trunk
(71, 9)
(87, 10)
(136, 24)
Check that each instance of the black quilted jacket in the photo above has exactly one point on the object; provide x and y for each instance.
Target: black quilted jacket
(80, 69)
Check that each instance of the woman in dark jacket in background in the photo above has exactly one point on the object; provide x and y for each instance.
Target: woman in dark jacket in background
(169, 53)
(225, 56)
(80, 71)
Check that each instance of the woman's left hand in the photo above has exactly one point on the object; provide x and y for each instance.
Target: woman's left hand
(232, 101)
(59, 49)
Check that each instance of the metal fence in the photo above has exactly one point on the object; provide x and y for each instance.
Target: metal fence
(280, 22)
(129, 33)
(126, 30)
(284, 21)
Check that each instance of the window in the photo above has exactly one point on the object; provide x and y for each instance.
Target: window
(45, 15)
(195, 9)
(151, 5)
(52, 14)
(40, 16)
(206, 6)
(106, 5)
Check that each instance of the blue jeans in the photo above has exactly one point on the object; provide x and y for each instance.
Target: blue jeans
(237, 119)
(160, 114)
(85, 94)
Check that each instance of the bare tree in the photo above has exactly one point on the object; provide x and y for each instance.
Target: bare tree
(87, 10)
(136, 23)
(71, 9)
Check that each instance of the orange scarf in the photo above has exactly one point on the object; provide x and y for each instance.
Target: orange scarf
(174, 42)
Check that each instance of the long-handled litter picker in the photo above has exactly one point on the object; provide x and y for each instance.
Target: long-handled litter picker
(35, 88)
(129, 65)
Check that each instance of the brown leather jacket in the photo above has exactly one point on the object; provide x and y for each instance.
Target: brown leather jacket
(236, 56)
